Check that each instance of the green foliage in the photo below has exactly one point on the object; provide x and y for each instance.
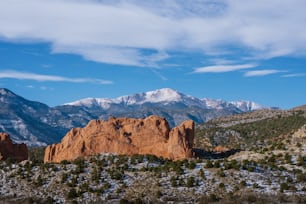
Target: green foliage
(64, 177)
(80, 165)
(95, 175)
(221, 185)
(288, 158)
(301, 177)
(217, 164)
(255, 185)
(213, 197)
(36, 154)
(64, 162)
(301, 161)
(233, 164)
(283, 186)
(209, 164)
(201, 174)
(262, 130)
(191, 164)
(73, 182)
(190, 182)
(72, 194)
(243, 183)
(173, 181)
(221, 173)
(116, 174)
(39, 181)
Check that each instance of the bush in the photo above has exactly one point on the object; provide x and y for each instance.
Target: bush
(191, 165)
(209, 164)
(301, 177)
(221, 173)
(173, 181)
(243, 183)
(283, 187)
(201, 174)
(72, 194)
(221, 185)
(217, 164)
(116, 174)
(190, 182)
(64, 177)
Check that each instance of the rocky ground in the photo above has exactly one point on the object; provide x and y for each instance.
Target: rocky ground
(271, 175)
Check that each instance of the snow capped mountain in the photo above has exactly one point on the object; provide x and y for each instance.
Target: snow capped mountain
(35, 123)
(158, 96)
(166, 96)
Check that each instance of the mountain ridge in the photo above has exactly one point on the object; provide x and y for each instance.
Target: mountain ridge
(167, 95)
(37, 124)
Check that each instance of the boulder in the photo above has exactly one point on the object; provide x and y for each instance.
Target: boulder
(220, 148)
(17, 152)
(127, 136)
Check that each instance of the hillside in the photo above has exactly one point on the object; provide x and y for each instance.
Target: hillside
(250, 130)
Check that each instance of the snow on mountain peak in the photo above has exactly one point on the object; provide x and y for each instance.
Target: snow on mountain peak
(88, 102)
(162, 95)
(165, 96)
(247, 105)
(6, 92)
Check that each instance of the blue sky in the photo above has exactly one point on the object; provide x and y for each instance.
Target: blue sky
(63, 50)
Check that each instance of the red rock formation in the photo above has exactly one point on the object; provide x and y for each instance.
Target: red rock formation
(17, 152)
(220, 148)
(127, 136)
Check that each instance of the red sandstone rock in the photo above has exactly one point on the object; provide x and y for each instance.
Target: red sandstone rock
(17, 152)
(127, 136)
(220, 148)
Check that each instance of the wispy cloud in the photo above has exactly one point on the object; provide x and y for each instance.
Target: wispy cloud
(294, 75)
(261, 72)
(223, 68)
(123, 31)
(51, 78)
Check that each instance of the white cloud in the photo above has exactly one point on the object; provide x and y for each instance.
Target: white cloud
(30, 86)
(294, 75)
(261, 72)
(123, 31)
(223, 68)
(11, 74)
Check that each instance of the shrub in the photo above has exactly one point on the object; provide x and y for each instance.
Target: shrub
(283, 186)
(190, 182)
(221, 185)
(209, 164)
(217, 164)
(173, 181)
(221, 173)
(201, 174)
(191, 165)
(243, 183)
(72, 194)
(64, 177)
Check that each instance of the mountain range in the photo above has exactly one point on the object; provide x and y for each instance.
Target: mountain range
(37, 124)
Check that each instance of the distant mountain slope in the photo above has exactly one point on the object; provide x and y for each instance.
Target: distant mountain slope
(37, 124)
(253, 129)
(32, 122)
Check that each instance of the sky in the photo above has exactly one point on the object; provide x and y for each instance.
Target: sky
(60, 51)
